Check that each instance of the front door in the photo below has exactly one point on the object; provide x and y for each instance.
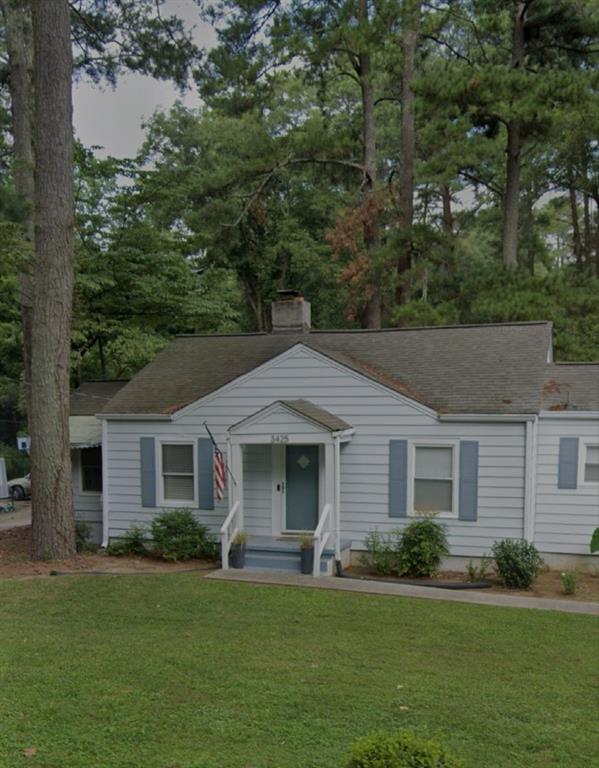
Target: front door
(301, 468)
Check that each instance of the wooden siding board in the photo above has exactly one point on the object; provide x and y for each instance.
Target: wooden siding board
(565, 518)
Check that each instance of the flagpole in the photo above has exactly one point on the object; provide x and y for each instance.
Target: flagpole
(216, 448)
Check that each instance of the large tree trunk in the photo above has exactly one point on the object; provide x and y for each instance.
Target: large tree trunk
(52, 498)
(576, 238)
(17, 20)
(447, 212)
(372, 314)
(409, 44)
(513, 152)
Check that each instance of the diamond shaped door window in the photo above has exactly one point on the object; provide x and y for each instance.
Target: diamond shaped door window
(303, 461)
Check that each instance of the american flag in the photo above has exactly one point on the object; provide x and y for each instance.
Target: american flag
(220, 474)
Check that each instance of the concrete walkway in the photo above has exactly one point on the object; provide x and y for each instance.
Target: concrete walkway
(21, 515)
(280, 578)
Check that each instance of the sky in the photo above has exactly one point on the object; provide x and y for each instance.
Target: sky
(112, 118)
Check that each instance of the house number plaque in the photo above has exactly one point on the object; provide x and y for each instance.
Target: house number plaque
(279, 438)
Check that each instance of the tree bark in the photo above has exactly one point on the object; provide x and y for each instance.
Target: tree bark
(513, 152)
(17, 20)
(372, 315)
(409, 44)
(576, 239)
(53, 534)
(447, 212)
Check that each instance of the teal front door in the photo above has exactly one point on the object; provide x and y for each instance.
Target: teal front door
(301, 465)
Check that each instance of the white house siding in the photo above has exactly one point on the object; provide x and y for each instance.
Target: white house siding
(88, 506)
(565, 519)
(257, 489)
(378, 416)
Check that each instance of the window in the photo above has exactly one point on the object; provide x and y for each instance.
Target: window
(434, 468)
(91, 470)
(591, 464)
(178, 480)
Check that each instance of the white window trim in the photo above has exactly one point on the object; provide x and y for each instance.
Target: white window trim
(454, 445)
(582, 460)
(82, 491)
(162, 501)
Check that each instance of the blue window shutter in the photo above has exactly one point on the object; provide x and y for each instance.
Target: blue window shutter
(567, 476)
(205, 473)
(468, 503)
(398, 478)
(147, 452)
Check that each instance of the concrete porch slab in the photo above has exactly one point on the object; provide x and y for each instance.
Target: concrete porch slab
(277, 578)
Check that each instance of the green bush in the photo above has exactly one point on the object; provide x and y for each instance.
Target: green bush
(422, 546)
(401, 750)
(475, 573)
(381, 552)
(569, 582)
(18, 463)
(517, 562)
(82, 536)
(132, 543)
(179, 536)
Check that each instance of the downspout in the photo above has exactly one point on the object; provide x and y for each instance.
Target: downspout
(530, 479)
(337, 444)
(104, 483)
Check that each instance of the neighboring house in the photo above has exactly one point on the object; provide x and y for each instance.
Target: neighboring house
(337, 433)
(86, 450)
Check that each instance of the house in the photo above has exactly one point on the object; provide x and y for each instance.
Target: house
(86, 450)
(336, 433)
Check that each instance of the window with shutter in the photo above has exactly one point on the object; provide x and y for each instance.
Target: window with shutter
(178, 476)
(434, 468)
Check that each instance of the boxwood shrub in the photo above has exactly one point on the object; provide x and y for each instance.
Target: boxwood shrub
(517, 562)
(178, 535)
(401, 750)
(422, 547)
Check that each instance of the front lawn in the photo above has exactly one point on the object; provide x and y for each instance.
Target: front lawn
(173, 671)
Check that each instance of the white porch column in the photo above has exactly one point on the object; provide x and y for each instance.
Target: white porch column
(235, 479)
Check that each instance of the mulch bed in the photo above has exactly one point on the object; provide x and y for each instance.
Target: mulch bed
(15, 560)
(548, 583)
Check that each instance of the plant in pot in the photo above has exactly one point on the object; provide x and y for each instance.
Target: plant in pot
(237, 554)
(307, 554)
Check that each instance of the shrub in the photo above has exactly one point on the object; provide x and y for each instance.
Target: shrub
(381, 552)
(569, 582)
(517, 562)
(478, 572)
(179, 536)
(82, 536)
(132, 543)
(401, 750)
(18, 463)
(422, 546)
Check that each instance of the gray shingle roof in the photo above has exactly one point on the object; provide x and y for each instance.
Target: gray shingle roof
(91, 397)
(326, 419)
(453, 369)
(571, 387)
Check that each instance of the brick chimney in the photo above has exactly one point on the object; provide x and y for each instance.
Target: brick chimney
(290, 313)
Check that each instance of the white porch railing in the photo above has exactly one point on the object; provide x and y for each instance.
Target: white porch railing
(229, 529)
(324, 530)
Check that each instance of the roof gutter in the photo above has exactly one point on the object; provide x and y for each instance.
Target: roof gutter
(134, 416)
(569, 414)
(500, 417)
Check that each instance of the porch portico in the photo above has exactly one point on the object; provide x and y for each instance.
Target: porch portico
(284, 478)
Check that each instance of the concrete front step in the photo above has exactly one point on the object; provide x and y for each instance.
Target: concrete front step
(284, 555)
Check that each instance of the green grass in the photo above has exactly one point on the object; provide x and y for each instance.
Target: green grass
(174, 671)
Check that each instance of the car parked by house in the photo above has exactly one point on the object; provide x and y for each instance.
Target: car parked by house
(20, 488)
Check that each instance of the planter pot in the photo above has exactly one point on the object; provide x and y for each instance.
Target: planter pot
(237, 556)
(307, 560)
